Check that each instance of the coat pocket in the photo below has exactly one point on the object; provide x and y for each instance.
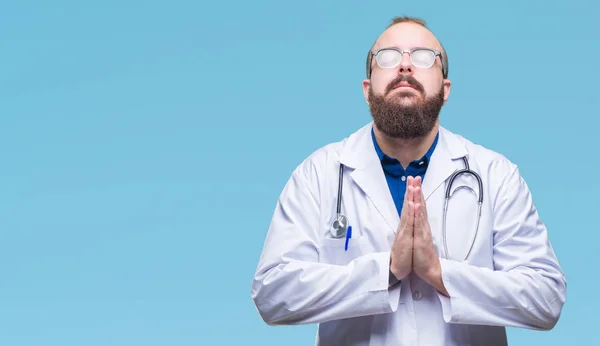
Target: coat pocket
(333, 250)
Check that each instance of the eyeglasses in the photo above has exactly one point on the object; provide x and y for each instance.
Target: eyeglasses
(391, 58)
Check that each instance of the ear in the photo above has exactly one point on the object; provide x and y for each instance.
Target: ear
(366, 85)
(447, 85)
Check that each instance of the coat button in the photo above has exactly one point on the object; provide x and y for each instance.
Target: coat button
(417, 295)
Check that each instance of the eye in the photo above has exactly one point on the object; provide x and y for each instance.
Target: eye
(422, 57)
(388, 57)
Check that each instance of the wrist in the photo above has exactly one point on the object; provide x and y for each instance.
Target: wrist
(393, 281)
(434, 278)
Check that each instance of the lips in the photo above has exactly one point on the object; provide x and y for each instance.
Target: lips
(404, 84)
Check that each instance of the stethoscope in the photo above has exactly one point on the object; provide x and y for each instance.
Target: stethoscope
(340, 224)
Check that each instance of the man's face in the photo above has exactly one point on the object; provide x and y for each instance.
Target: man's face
(405, 101)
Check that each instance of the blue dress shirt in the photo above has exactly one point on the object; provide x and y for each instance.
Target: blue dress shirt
(396, 175)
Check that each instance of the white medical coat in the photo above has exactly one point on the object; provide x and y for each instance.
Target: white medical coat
(512, 277)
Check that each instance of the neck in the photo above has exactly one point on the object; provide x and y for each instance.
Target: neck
(406, 150)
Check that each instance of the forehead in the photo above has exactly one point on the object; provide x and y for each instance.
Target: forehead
(406, 36)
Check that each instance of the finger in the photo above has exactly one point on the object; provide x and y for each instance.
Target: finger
(407, 194)
(418, 194)
(419, 197)
(422, 226)
(406, 212)
(411, 215)
(407, 197)
(417, 219)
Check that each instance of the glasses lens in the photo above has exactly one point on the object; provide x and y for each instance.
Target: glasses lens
(422, 58)
(388, 58)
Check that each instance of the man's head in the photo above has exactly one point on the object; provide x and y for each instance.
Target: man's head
(406, 90)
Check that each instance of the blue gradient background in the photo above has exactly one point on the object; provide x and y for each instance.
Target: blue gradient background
(143, 145)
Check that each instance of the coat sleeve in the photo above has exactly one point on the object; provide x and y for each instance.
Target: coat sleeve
(526, 288)
(291, 286)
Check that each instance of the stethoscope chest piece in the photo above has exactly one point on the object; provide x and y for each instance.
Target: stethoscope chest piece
(340, 226)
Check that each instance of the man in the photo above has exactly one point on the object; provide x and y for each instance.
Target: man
(408, 270)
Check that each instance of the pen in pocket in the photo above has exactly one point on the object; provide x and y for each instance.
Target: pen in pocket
(348, 236)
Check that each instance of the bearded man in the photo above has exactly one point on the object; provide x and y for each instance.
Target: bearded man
(405, 233)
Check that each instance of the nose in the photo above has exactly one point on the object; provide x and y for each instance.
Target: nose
(405, 66)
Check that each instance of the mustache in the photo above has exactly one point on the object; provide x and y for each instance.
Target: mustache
(408, 79)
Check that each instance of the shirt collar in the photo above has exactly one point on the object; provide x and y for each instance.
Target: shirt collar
(387, 159)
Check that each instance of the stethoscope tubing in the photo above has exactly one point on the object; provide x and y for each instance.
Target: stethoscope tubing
(341, 220)
(466, 170)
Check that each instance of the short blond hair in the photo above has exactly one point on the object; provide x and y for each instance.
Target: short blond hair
(414, 20)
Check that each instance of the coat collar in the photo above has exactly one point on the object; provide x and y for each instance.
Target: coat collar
(360, 156)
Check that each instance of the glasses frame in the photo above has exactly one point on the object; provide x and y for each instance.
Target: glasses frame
(435, 52)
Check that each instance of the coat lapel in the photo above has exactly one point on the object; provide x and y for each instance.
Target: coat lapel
(359, 154)
(445, 160)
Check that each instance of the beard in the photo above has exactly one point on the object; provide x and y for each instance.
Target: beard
(405, 115)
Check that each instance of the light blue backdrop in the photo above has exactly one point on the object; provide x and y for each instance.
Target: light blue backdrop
(143, 145)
